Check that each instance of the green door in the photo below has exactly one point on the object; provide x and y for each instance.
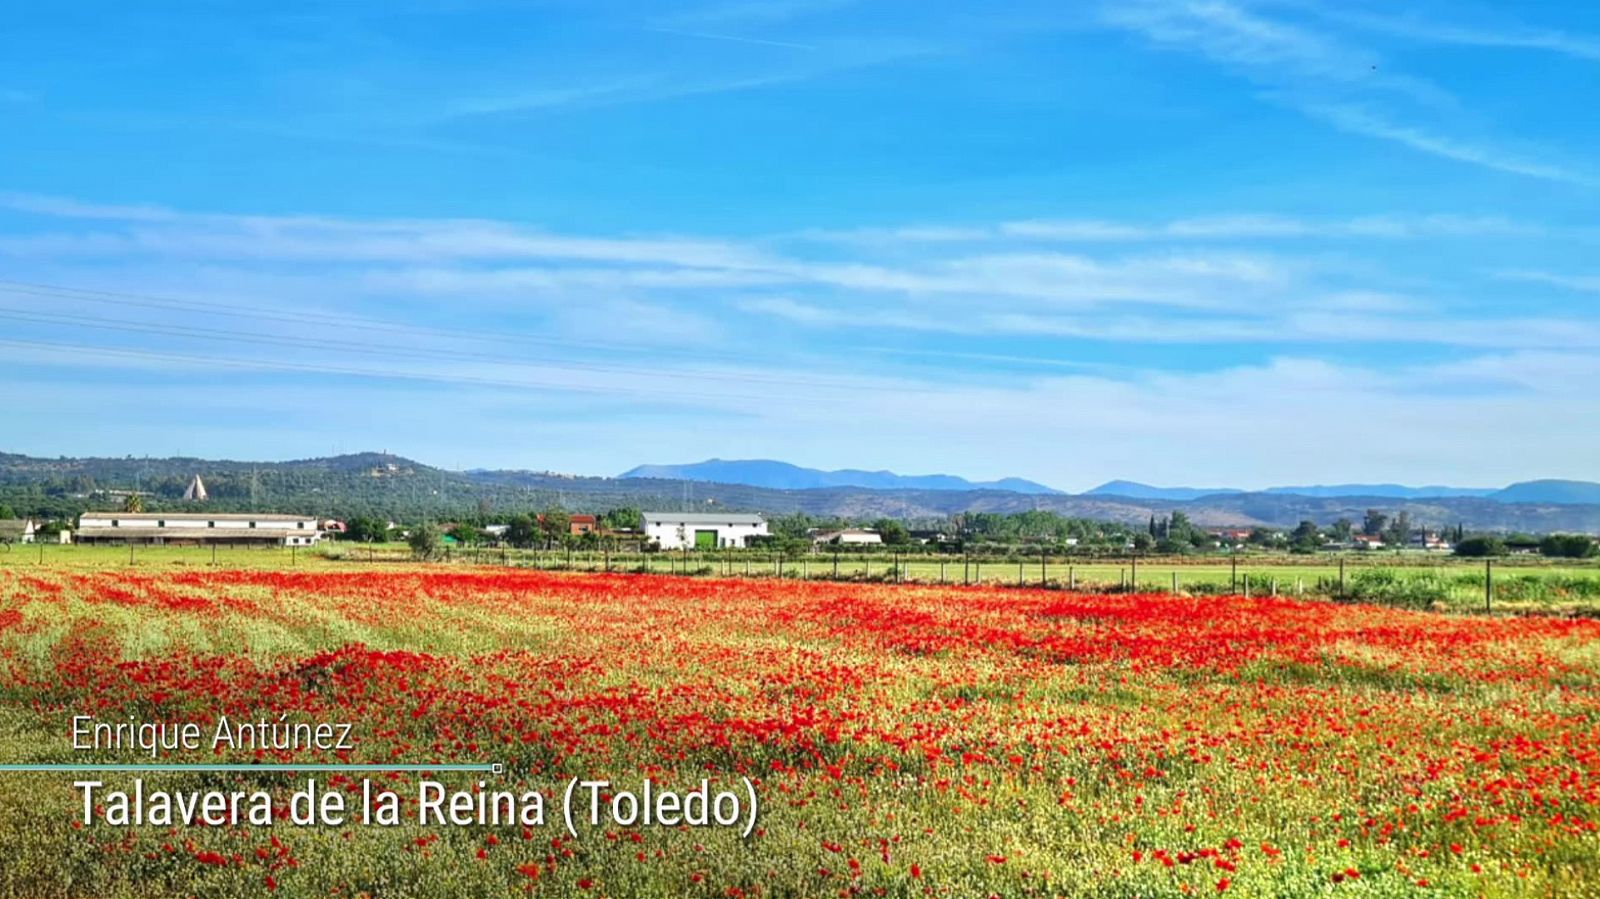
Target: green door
(705, 539)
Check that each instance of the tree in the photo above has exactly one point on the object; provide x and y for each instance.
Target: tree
(1568, 546)
(466, 534)
(1373, 522)
(366, 529)
(522, 531)
(1398, 533)
(1305, 538)
(625, 518)
(424, 541)
(6, 512)
(1143, 542)
(1260, 537)
(1480, 547)
(1342, 530)
(893, 532)
(134, 504)
(1180, 529)
(554, 525)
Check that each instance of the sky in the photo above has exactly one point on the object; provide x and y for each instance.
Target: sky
(1216, 243)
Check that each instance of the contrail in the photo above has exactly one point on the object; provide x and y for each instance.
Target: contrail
(733, 37)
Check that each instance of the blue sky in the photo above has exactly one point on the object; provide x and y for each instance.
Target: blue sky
(1241, 243)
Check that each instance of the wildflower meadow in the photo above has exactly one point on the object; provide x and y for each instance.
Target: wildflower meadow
(902, 740)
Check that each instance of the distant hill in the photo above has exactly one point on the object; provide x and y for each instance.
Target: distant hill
(1393, 491)
(404, 490)
(784, 476)
(1549, 491)
(1136, 490)
(1545, 491)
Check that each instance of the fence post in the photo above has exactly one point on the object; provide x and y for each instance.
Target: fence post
(1044, 578)
(1020, 581)
(1174, 581)
(941, 572)
(1072, 578)
(966, 569)
(836, 564)
(1247, 585)
(1274, 584)
(1233, 571)
(1488, 586)
(1133, 579)
(1341, 575)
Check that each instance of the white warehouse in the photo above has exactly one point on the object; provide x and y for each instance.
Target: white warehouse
(197, 527)
(702, 530)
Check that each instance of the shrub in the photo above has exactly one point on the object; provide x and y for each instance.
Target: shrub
(1480, 547)
(1568, 546)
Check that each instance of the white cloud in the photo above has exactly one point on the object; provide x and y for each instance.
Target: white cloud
(1358, 120)
(1329, 79)
(1582, 283)
(656, 290)
(1511, 36)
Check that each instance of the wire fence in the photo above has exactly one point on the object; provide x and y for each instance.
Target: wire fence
(1415, 579)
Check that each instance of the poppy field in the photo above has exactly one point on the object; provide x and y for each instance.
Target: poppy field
(903, 740)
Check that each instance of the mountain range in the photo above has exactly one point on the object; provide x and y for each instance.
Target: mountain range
(776, 475)
(784, 476)
(405, 490)
(1541, 491)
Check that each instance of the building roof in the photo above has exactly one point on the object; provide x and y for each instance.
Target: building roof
(14, 525)
(199, 516)
(705, 517)
(194, 533)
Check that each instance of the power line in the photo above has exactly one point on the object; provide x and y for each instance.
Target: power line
(149, 301)
(269, 365)
(185, 331)
(27, 288)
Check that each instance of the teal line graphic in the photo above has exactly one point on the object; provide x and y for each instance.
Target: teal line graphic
(486, 768)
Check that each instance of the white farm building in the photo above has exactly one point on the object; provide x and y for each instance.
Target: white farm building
(195, 528)
(702, 530)
(848, 537)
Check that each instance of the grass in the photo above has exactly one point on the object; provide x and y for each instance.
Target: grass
(906, 740)
(1411, 579)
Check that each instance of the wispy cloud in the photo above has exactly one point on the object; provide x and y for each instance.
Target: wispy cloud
(1581, 283)
(1358, 120)
(1506, 35)
(1209, 228)
(733, 38)
(1328, 79)
(1162, 282)
(753, 12)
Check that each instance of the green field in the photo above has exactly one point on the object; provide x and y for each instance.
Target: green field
(1421, 580)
